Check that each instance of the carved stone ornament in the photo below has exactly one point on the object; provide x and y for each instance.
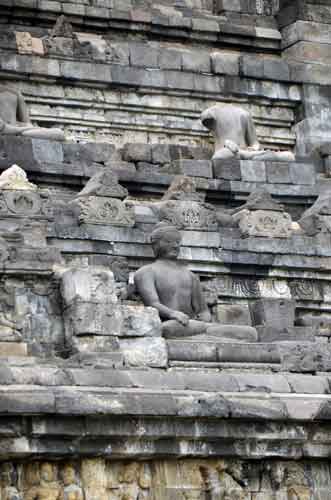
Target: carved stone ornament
(189, 215)
(265, 223)
(16, 179)
(183, 188)
(317, 219)
(102, 210)
(25, 204)
(104, 184)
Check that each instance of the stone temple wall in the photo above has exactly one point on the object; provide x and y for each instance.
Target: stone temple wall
(95, 402)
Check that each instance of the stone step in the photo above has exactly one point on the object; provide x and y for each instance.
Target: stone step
(217, 352)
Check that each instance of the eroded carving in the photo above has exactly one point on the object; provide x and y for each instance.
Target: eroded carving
(71, 490)
(263, 217)
(182, 206)
(48, 488)
(100, 202)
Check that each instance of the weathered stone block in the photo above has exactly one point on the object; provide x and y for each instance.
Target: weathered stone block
(287, 334)
(233, 314)
(273, 312)
(253, 171)
(192, 351)
(308, 51)
(248, 353)
(140, 321)
(88, 285)
(278, 173)
(94, 344)
(137, 152)
(161, 153)
(225, 63)
(197, 61)
(145, 352)
(98, 152)
(103, 210)
(264, 223)
(170, 59)
(74, 70)
(302, 173)
(227, 169)
(89, 319)
(195, 168)
(144, 56)
(306, 357)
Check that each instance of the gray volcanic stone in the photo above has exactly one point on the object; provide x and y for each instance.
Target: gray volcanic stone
(195, 168)
(170, 59)
(137, 152)
(303, 358)
(144, 56)
(253, 171)
(205, 406)
(278, 313)
(197, 61)
(98, 152)
(258, 409)
(278, 173)
(145, 352)
(192, 350)
(227, 169)
(225, 64)
(140, 321)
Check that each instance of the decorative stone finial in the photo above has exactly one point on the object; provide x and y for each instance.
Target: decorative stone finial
(15, 178)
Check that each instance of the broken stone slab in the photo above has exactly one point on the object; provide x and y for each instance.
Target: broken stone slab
(90, 285)
(144, 352)
(306, 357)
(92, 318)
(139, 321)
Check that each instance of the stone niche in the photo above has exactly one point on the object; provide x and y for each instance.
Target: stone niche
(190, 479)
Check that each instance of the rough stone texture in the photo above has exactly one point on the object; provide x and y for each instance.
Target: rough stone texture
(145, 352)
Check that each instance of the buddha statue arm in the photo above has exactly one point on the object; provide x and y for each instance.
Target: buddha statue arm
(145, 284)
